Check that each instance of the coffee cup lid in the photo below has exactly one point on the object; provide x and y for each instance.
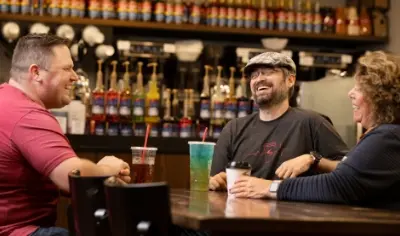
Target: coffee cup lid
(238, 165)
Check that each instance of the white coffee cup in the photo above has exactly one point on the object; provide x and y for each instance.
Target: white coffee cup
(234, 170)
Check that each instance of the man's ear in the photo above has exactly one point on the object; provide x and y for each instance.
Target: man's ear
(291, 80)
(34, 72)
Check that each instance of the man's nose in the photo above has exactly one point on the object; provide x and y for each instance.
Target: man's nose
(258, 77)
(74, 76)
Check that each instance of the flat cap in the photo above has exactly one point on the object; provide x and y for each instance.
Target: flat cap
(272, 59)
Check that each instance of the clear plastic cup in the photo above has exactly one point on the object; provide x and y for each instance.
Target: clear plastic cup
(201, 154)
(142, 168)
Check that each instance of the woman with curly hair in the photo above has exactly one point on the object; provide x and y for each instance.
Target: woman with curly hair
(369, 175)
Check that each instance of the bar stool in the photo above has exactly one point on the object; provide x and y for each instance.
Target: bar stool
(87, 209)
(138, 209)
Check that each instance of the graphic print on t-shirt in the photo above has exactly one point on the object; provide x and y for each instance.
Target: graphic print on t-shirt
(269, 150)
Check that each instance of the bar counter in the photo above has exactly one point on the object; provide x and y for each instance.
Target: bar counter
(219, 214)
(215, 212)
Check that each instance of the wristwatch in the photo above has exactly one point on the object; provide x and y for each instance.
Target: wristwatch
(317, 158)
(273, 188)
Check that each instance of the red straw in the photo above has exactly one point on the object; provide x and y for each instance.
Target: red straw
(205, 134)
(145, 141)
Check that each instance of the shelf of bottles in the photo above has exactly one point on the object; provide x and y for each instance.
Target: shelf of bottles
(301, 16)
(126, 110)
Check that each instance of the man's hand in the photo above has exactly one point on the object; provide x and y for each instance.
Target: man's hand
(294, 167)
(117, 167)
(250, 187)
(218, 182)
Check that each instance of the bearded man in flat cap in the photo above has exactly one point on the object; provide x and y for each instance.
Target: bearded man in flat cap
(279, 141)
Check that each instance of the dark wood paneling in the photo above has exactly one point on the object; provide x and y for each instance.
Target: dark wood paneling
(119, 144)
(62, 220)
(173, 169)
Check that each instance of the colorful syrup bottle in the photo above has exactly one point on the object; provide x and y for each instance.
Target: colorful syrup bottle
(290, 17)
(94, 9)
(139, 103)
(133, 11)
(205, 103)
(230, 105)
(243, 100)
(98, 102)
(112, 97)
(230, 14)
(159, 11)
(123, 9)
(239, 14)
(217, 100)
(98, 115)
(262, 15)
(152, 115)
(125, 104)
(281, 16)
(139, 96)
(168, 120)
(185, 123)
(175, 113)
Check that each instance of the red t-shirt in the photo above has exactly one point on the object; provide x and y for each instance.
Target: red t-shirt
(32, 144)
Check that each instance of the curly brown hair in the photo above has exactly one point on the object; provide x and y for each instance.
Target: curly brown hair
(378, 74)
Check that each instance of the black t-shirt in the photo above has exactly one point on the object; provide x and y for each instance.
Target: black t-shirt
(267, 144)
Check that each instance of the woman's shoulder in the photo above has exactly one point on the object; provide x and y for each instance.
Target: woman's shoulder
(390, 129)
(381, 135)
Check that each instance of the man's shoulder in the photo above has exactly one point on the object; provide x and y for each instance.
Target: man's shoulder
(16, 109)
(16, 100)
(244, 120)
(23, 112)
(308, 115)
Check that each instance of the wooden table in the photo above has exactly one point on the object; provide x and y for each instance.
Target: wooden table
(216, 213)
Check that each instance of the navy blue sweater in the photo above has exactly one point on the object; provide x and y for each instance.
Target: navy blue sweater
(369, 175)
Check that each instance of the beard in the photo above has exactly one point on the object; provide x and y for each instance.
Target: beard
(275, 96)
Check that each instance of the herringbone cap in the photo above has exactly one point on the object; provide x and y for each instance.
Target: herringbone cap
(271, 59)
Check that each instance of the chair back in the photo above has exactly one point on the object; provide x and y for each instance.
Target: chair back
(138, 209)
(88, 205)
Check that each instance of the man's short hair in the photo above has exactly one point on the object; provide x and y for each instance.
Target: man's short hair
(34, 49)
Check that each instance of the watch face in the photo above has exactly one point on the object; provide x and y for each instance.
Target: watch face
(274, 187)
(316, 155)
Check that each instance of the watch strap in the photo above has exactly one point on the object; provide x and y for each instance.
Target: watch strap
(317, 158)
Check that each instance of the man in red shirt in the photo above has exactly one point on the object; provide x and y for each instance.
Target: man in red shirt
(35, 155)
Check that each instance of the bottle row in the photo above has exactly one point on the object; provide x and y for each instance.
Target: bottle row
(133, 103)
(307, 16)
(167, 128)
(171, 112)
